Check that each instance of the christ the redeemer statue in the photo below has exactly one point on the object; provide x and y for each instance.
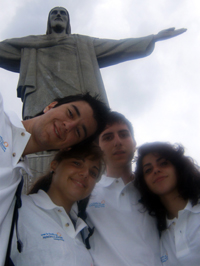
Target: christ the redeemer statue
(60, 63)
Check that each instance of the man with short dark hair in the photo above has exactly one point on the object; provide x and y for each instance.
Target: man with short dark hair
(71, 122)
(124, 234)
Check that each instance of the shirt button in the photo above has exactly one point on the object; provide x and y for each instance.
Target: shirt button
(59, 210)
(117, 181)
(67, 224)
(14, 154)
(22, 134)
(122, 193)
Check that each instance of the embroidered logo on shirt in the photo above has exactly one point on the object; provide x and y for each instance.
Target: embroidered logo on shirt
(3, 144)
(53, 236)
(164, 258)
(98, 204)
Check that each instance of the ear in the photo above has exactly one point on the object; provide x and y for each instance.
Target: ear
(49, 107)
(54, 165)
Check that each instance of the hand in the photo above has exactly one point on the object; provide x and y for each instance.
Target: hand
(168, 33)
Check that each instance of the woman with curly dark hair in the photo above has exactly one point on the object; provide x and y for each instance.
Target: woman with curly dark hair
(169, 183)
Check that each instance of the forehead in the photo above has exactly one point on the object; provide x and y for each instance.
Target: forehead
(114, 128)
(79, 104)
(58, 9)
(151, 158)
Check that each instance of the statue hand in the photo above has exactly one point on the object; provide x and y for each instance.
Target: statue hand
(167, 34)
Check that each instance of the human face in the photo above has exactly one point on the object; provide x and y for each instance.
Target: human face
(73, 180)
(59, 17)
(63, 126)
(117, 144)
(159, 174)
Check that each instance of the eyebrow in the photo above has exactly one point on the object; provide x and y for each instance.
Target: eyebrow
(108, 133)
(83, 159)
(157, 160)
(76, 110)
(123, 130)
(79, 115)
(147, 164)
(96, 168)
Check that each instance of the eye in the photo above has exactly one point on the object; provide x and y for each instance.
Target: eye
(94, 174)
(77, 163)
(70, 113)
(107, 138)
(124, 134)
(54, 12)
(78, 132)
(164, 163)
(63, 12)
(147, 170)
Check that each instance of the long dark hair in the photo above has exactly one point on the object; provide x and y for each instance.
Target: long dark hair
(188, 178)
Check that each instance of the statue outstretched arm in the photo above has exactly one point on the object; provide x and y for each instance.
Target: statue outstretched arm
(167, 34)
(10, 57)
(110, 52)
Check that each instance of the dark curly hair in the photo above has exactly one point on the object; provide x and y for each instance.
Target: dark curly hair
(188, 178)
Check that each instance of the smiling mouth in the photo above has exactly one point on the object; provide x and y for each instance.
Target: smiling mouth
(80, 184)
(159, 179)
(56, 132)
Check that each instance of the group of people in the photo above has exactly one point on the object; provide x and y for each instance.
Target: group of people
(90, 208)
(149, 217)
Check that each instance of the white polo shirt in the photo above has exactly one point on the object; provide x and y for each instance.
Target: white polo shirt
(124, 234)
(180, 242)
(13, 139)
(48, 234)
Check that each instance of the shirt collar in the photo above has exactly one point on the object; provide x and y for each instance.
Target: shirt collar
(42, 200)
(193, 209)
(188, 207)
(15, 119)
(106, 181)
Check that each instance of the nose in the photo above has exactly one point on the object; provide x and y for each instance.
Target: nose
(70, 125)
(117, 141)
(84, 172)
(156, 170)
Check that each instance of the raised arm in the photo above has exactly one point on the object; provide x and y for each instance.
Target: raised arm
(167, 34)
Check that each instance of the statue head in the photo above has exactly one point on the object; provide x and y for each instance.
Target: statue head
(62, 16)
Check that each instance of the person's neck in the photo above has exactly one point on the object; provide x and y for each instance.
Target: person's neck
(32, 146)
(173, 203)
(125, 172)
(58, 31)
(55, 197)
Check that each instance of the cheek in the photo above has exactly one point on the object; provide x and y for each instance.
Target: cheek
(147, 181)
(91, 184)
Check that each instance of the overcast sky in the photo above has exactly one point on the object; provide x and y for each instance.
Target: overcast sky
(159, 94)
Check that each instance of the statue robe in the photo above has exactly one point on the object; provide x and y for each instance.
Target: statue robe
(52, 67)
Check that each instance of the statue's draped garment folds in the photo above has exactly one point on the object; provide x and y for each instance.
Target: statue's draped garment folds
(52, 67)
